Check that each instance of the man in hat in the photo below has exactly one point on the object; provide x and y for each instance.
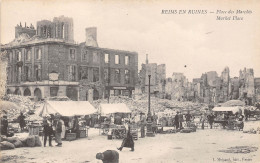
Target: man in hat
(176, 120)
(188, 117)
(109, 156)
(47, 130)
(211, 119)
(142, 124)
(4, 125)
(21, 121)
(58, 131)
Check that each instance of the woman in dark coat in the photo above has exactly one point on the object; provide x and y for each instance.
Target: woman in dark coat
(128, 141)
(22, 121)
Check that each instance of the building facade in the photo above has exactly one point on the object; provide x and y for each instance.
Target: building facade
(50, 63)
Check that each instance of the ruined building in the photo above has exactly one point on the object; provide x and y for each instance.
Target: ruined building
(45, 61)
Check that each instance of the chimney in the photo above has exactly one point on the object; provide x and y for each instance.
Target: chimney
(91, 36)
(146, 61)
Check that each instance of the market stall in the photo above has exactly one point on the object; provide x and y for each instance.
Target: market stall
(226, 116)
(114, 129)
(72, 112)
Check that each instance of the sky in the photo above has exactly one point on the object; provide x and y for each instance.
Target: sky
(198, 41)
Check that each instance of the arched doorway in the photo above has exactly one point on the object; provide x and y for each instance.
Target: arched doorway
(95, 95)
(8, 91)
(27, 92)
(38, 94)
(17, 91)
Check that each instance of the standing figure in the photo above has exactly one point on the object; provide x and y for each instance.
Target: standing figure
(47, 130)
(202, 120)
(21, 121)
(176, 120)
(241, 123)
(181, 120)
(211, 119)
(63, 133)
(128, 141)
(58, 131)
(75, 128)
(4, 125)
(109, 156)
(143, 124)
(188, 118)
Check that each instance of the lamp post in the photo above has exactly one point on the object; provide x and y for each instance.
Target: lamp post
(149, 132)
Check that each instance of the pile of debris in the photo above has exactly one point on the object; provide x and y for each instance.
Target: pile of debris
(25, 105)
(140, 104)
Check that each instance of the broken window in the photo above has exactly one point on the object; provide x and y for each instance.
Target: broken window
(37, 69)
(18, 56)
(117, 75)
(28, 55)
(72, 54)
(106, 58)
(95, 57)
(106, 78)
(127, 58)
(127, 77)
(95, 74)
(85, 55)
(72, 73)
(83, 73)
(116, 59)
(38, 54)
(27, 73)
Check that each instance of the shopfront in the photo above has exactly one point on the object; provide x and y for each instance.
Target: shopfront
(119, 91)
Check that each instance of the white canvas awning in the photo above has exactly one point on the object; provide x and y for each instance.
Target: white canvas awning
(233, 109)
(68, 108)
(105, 109)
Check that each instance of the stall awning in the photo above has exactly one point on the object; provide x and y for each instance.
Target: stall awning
(233, 109)
(69, 108)
(105, 109)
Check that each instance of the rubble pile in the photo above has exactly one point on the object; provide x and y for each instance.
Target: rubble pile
(25, 105)
(140, 104)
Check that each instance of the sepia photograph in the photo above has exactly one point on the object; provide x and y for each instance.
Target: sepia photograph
(93, 81)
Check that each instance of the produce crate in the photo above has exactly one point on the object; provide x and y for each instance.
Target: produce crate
(71, 136)
(82, 133)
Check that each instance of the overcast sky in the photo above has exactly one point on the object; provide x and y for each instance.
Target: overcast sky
(199, 41)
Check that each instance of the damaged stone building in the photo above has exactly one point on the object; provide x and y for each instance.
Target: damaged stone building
(213, 89)
(158, 76)
(46, 61)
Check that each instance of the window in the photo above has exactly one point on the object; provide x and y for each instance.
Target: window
(117, 75)
(127, 77)
(27, 73)
(127, 58)
(83, 73)
(116, 59)
(63, 30)
(8, 74)
(72, 54)
(85, 55)
(95, 57)
(106, 58)
(28, 55)
(72, 73)
(37, 70)
(38, 54)
(18, 56)
(106, 77)
(10, 56)
(54, 91)
(95, 74)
